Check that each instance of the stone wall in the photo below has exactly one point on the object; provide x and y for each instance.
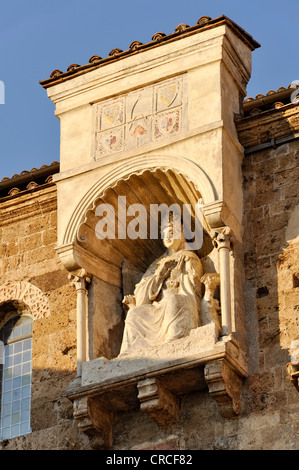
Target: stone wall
(271, 190)
(32, 273)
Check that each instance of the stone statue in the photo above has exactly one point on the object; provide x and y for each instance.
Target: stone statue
(209, 307)
(166, 302)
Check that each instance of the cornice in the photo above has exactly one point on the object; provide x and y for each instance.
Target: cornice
(273, 124)
(28, 204)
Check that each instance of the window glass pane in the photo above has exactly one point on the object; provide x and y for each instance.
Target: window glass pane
(27, 344)
(15, 418)
(6, 433)
(6, 421)
(17, 347)
(25, 427)
(8, 373)
(7, 385)
(6, 409)
(8, 361)
(7, 398)
(15, 380)
(16, 394)
(8, 350)
(15, 430)
(16, 406)
(26, 367)
(17, 331)
(26, 391)
(26, 379)
(25, 404)
(26, 329)
(25, 415)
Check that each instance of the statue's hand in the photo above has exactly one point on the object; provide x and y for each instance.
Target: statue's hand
(129, 300)
(164, 270)
(182, 259)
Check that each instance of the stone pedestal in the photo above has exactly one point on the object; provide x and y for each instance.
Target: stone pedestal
(152, 381)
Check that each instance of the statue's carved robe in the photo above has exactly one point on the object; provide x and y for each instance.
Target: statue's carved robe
(166, 309)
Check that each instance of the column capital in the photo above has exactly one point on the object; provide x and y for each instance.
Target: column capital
(222, 238)
(80, 279)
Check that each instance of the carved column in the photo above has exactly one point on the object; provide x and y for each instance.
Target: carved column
(80, 281)
(222, 240)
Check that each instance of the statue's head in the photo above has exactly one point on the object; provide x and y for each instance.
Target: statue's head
(172, 232)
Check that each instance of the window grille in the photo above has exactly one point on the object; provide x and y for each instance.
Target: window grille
(15, 377)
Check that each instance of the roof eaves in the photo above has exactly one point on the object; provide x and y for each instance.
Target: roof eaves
(28, 180)
(182, 30)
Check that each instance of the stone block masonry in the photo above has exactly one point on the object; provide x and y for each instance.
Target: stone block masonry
(271, 196)
(32, 274)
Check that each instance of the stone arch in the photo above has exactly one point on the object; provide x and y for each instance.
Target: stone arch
(189, 170)
(27, 293)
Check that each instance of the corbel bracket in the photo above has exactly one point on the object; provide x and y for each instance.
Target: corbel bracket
(157, 402)
(224, 385)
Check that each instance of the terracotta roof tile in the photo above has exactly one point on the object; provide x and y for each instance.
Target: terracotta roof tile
(28, 180)
(271, 100)
(182, 30)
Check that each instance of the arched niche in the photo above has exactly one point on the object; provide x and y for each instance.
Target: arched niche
(136, 166)
(117, 264)
(150, 187)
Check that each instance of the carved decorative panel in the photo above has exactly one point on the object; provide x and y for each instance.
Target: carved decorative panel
(29, 294)
(139, 117)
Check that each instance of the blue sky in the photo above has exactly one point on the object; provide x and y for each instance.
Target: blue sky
(38, 36)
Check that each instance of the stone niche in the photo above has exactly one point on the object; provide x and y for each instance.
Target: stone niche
(166, 136)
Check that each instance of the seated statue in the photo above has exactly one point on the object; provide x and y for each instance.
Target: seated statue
(166, 302)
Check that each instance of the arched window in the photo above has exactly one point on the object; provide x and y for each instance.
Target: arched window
(15, 376)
